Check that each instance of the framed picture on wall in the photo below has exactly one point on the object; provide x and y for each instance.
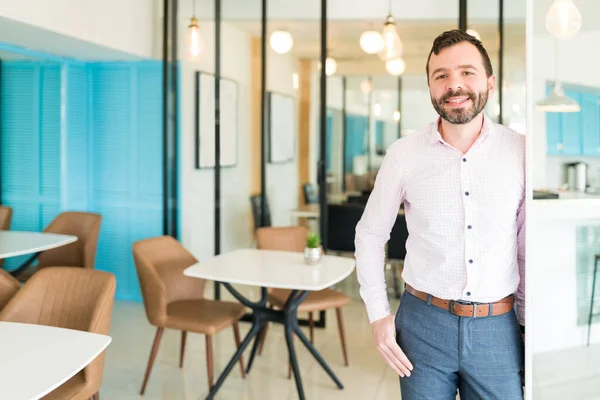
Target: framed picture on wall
(205, 121)
(281, 128)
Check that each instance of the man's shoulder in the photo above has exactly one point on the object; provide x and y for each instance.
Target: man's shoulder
(410, 141)
(510, 135)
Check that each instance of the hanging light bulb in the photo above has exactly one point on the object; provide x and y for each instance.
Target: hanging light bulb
(563, 19)
(194, 44)
(281, 41)
(366, 86)
(377, 109)
(330, 66)
(371, 42)
(392, 45)
(395, 66)
(474, 33)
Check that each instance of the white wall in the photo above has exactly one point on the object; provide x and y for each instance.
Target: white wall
(123, 25)
(197, 186)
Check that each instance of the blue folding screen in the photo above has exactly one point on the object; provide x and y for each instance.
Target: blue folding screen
(30, 158)
(104, 155)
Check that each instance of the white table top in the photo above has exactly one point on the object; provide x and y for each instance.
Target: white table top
(36, 359)
(273, 269)
(16, 243)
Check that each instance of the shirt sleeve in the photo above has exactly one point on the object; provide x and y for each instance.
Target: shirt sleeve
(521, 260)
(373, 232)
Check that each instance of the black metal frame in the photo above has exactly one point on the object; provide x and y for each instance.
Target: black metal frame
(462, 15)
(170, 80)
(217, 222)
(592, 315)
(322, 166)
(263, 108)
(261, 315)
(344, 131)
(370, 120)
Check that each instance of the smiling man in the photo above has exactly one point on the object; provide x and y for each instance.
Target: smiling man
(462, 183)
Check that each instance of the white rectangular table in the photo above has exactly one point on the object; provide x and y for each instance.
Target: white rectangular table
(36, 359)
(18, 243)
(273, 269)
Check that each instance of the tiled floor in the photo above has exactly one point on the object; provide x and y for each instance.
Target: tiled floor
(367, 377)
(567, 374)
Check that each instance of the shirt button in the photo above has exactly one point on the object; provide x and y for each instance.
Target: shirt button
(464, 160)
(470, 261)
(469, 227)
(468, 293)
(466, 193)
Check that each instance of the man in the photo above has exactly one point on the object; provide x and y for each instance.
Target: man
(462, 184)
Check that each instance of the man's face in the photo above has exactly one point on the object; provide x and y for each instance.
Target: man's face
(458, 84)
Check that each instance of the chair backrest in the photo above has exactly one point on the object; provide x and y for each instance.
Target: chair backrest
(342, 220)
(310, 193)
(159, 263)
(396, 248)
(5, 221)
(255, 202)
(8, 287)
(288, 238)
(71, 298)
(5, 217)
(81, 253)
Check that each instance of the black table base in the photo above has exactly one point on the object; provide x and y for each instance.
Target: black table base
(261, 315)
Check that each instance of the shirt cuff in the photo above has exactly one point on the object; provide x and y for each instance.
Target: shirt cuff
(378, 307)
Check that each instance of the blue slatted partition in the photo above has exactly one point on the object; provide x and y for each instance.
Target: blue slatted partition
(30, 158)
(104, 156)
(126, 163)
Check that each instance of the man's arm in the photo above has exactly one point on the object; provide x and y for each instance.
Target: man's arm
(520, 295)
(372, 233)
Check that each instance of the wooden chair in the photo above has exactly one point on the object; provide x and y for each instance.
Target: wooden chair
(294, 239)
(175, 301)
(81, 253)
(71, 298)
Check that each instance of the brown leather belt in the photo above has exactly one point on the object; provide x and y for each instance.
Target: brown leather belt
(467, 310)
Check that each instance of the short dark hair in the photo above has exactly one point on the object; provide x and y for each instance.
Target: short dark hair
(456, 36)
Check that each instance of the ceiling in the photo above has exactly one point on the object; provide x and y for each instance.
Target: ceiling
(343, 42)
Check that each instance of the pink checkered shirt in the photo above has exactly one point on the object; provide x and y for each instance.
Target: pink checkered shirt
(465, 216)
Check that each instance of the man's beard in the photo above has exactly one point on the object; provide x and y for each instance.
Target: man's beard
(464, 115)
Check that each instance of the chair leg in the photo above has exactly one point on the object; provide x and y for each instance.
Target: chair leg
(263, 338)
(153, 352)
(340, 320)
(311, 327)
(236, 334)
(209, 361)
(183, 338)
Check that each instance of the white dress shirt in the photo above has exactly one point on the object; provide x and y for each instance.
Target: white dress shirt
(465, 216)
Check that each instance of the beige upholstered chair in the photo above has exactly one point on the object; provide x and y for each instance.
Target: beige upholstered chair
(81, 253)
(8, 287)
(175, 301)
(5, 221)
(71, 298)
(294, 239)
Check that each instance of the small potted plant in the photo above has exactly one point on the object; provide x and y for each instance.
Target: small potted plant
(313, 251)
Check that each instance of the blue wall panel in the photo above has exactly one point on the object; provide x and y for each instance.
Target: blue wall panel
(104, 154)
(356, 136)
(30, 144)
(126, 163)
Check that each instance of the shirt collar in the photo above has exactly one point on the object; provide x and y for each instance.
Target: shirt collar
(487, 129)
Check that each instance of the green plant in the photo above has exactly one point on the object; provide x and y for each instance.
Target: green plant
(313, 241)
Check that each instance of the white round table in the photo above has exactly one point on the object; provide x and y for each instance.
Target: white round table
(36, 359)
(18, 243)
